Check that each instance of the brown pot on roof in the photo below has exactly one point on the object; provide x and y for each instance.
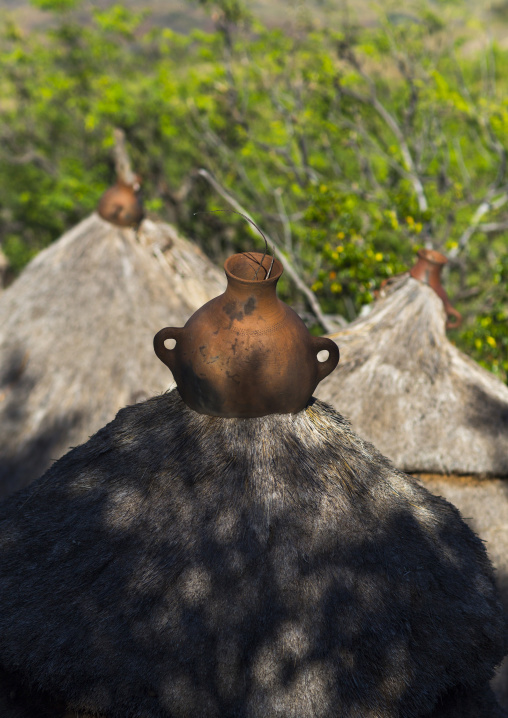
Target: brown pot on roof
(428, 270)
(122, 204)
(246, 353)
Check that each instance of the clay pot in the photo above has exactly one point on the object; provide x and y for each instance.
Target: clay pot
(428, 270)
(246, 353)
(122, 205)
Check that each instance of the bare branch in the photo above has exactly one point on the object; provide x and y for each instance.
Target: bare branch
(489, 227)
(285, 153)
(32, 157)
(466, 176)
(288, 239)
(487, 205)
(328, 325)
(122, 162)
(412, 172)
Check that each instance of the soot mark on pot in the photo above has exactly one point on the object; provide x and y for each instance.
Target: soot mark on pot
(233, 377)
(233, 313)
(249, 305)
(202, 395)
(256, 361)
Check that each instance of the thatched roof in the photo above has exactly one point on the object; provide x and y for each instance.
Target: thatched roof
(76, 333)
(4, 266)
(409, 390)
(484, 505)
(181, 565)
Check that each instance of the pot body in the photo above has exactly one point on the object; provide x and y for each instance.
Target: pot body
(122, 205)
(246, 353)
(428, 270)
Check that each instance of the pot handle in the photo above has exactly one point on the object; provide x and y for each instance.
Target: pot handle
(326, 367)
(451, 312)
(166, 355)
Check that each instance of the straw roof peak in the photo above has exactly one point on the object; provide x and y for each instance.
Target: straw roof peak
(76, 333)
(410, 391)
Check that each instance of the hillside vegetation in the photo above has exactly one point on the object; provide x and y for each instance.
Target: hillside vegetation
(351, 143)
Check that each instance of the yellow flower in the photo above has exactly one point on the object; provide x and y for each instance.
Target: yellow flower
(491, 342)
(340, 235)
(478, 343)
(410, 220)
(336, 288)
(339, 249)
(378, 257)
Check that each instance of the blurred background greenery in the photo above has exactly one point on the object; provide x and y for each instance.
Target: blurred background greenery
(353, 134)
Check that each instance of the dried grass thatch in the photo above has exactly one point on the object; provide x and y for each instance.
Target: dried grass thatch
(180, 565)
(4, 266)
(76, 332)
(410, 391)
(484, 505)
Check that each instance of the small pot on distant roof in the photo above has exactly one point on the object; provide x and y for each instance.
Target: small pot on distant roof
(428, 270)
(122, 204)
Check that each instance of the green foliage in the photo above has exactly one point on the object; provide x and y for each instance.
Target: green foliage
(232, 11)
(351, 146)
(360, 245)
(487, 335)
(56, 5)
(17, 252)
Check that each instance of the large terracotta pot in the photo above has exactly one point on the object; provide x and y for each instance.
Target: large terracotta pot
(246, 353)
(428, 270)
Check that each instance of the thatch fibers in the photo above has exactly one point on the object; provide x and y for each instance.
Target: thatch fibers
(181, 566)
(484, 505)
(4, 267)
(76, 332)
(409, 390)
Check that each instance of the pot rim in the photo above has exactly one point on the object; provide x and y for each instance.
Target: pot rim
(431, 255)
(250, 260)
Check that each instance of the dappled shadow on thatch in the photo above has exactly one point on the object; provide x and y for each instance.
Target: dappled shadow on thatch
(182, 565)
(484, 506)
(488, 415)
(43, 445)
(17, 700)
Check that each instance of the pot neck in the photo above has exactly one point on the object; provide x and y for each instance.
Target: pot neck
(252, 273)
(262, 289)
(429, 266)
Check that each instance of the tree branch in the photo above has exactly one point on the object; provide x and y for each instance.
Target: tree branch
(485, 206)
(489, 227)
(122, 162)
(35, 158)
(412, 172)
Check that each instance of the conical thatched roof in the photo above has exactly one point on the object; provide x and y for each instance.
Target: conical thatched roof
(4, 266)
(76, 332)
(484, 505)
(181, 565)
(410, 391)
